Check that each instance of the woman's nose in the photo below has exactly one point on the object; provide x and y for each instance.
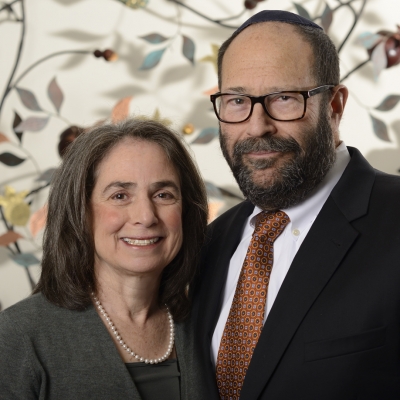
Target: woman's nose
(144, 212)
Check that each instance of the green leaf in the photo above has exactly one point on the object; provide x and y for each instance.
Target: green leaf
(10, 160)
(380, 129)
(28, 99)
(55, 94)
(389, 103)
(206, 136)
(33, 124)
(154, 38)
(302, 11)
(152, 59)
(25, 259)
(327, 18)
(188, 48)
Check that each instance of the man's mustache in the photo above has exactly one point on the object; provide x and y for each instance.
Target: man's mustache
(266, 143)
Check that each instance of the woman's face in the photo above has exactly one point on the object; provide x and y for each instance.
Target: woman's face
(136, 210)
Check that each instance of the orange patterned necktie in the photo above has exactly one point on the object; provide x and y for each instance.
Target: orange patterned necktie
(246, 316)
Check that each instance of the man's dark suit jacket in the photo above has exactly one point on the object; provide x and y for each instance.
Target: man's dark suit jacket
(333, 332)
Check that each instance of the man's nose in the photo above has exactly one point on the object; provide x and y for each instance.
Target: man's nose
(260, 123)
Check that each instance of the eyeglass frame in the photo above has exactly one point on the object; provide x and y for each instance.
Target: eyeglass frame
(261, 99)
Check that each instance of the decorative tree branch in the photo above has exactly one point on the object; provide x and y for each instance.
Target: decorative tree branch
(354, 69)
(216, 21)
(8, 6)
(21, 43)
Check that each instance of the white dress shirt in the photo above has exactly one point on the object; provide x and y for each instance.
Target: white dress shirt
(286, 245)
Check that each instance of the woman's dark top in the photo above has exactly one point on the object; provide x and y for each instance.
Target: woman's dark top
(156, 381)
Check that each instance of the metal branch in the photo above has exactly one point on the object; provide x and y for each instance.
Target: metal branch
(216, 21)
(31, 281)
(354, 70)
(21, 43)
(356, 18)
(7, 6)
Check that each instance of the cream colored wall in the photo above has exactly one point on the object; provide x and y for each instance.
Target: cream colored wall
(175, 87)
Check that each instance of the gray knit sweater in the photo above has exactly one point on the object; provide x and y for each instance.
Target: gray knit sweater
(48, 352)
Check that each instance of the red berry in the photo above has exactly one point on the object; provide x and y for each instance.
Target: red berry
(250, 4)
(98, 53)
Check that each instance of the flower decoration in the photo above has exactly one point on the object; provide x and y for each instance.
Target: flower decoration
(135, 4)
(16, 211)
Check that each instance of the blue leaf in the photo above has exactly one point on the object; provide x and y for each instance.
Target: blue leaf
(206, 136)
(369, 40)
(188, 48)
(152, 59)
(302, 11)
(213, 191)
(25, 259)
(154, 38)
(10, 159)
(327, 18)
(380, 129)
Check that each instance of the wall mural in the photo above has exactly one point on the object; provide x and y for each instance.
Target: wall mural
(23, 212)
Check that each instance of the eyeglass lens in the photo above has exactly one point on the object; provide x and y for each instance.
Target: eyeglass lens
(282, 106)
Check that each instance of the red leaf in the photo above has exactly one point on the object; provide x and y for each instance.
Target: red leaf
(121, 109)
(9, 237)
(38, 220)
(3, 138)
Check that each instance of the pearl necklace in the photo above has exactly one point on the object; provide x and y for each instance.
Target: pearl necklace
(123, 344)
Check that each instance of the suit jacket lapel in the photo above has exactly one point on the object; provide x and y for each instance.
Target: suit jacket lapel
(327, 243)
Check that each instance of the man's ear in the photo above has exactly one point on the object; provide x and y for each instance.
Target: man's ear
(338, 102)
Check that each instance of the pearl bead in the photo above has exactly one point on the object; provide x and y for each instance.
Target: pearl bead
(103, 312)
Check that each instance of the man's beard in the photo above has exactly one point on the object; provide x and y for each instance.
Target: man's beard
(293, 179)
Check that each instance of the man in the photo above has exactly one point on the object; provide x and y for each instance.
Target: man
(299, 290)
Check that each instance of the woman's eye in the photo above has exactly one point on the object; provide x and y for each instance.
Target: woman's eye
(119, 196)
(165, 197)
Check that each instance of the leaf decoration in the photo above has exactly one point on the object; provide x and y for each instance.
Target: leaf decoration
(28, 99)
(25, 259)
(16, 122)
(38, 220)
(152, 59)
(188, 48)
(33, 124)
(368, 39)
(379, 60)
(206, 136)
(3, 138)
(302, 11)
(9, 237)
(121, 109)
(213, 90)
(10, 160)
(55, 94)
(47, 175)
(327, 18)
(154, 38)
(380, 129)
(388, 103)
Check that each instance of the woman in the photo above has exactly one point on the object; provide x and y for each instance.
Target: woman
(127, 216)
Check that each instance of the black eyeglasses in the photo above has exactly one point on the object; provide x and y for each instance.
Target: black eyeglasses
(288, 105)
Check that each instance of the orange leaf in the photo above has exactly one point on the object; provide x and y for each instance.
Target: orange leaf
(9, 237)
(3, 138)
(211, 91)
(38, 220)
(121, 109)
